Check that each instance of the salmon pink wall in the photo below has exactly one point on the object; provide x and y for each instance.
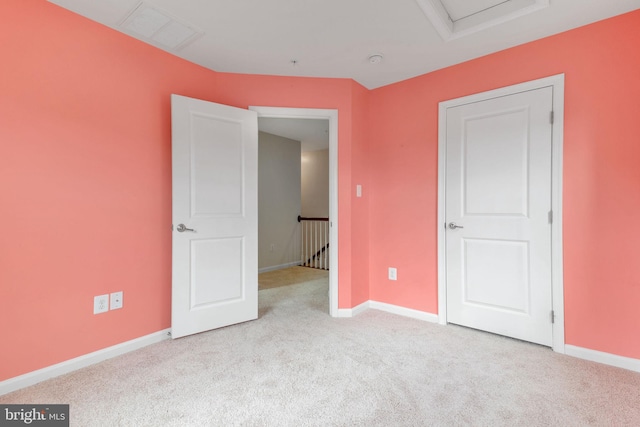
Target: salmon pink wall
(601, 194)
(85, 178)
(85, 175)
(360, 206)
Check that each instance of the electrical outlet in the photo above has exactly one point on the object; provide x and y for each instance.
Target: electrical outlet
(116, 300)
(393, 273)
(100, 304)
(272, 247)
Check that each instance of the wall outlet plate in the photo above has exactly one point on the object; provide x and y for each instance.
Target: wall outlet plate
(100, 304)
(116, 300)
(393, 273)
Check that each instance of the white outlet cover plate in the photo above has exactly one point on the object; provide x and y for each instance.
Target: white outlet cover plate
(393, 273)
(100, 304)
(116, 300)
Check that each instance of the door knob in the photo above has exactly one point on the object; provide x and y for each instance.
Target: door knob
(453, 226)
(182, 228)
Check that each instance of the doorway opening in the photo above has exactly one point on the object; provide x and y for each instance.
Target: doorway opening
(320, 118)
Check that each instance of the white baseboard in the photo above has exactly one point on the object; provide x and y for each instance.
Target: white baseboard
(361, 308)
(31, 378)
(604, 358)
(279, 267)
(403, 311)
(351, 312)
(389, 308)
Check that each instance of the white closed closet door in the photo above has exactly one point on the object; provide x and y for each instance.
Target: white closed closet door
(498, 203)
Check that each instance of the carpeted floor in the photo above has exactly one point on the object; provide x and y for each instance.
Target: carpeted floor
(290, 276)
(296, 366)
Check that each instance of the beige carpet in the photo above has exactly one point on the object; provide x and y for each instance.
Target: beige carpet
(290, 276)
(296, 366)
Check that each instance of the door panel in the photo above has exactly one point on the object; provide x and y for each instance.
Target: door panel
(498, 190)
(496, 274)
(495, 166)
(215, 262)
(216, 169)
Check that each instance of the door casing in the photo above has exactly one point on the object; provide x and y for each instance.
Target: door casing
(557, 82)
(332, 116)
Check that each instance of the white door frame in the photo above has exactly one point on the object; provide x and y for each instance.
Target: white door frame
(332, 116)
(557, 82)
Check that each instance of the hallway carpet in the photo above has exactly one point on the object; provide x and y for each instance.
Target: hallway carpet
(290, 276)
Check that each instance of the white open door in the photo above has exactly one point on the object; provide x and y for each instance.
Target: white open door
(215, 215)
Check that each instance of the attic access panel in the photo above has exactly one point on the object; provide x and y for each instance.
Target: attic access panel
(457, 18)
(159, 28)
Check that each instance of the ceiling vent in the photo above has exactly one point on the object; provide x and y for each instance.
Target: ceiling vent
(457, 18)
(159, 28)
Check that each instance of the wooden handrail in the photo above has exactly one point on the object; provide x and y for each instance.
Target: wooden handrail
(301, 218)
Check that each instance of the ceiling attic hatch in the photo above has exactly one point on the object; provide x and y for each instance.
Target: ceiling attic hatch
(458, 18)
(159, 28)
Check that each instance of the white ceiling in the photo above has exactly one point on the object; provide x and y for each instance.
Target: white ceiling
(334, 38)
(312, 133)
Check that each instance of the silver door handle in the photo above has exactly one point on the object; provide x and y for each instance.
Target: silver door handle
(453, 226)
(182, 228)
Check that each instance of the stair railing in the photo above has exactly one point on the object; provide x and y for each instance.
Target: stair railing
(315, 242)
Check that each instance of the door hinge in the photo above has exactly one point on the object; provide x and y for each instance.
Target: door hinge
(551, 117)
(550, 217)
(553, 316)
